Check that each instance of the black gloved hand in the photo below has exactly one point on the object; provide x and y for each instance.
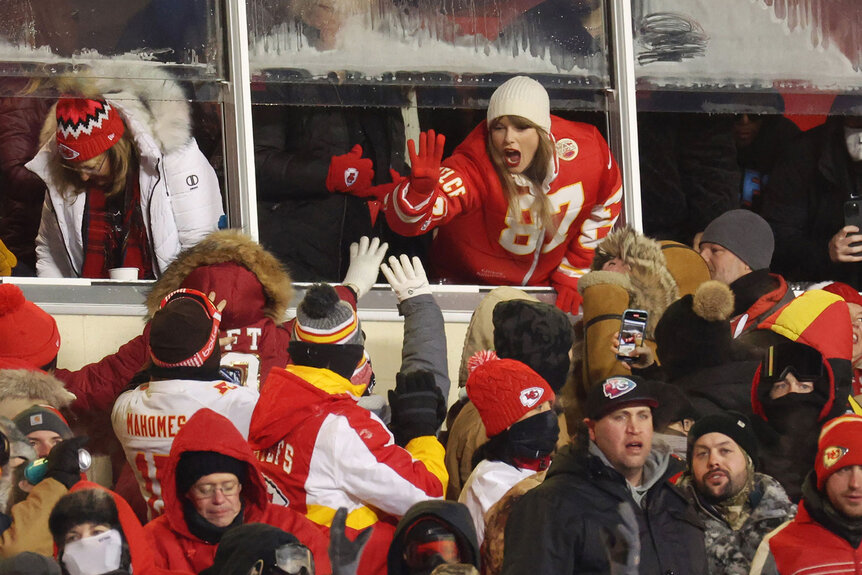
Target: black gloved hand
(63, 461)
(418, 406)
(344, 554)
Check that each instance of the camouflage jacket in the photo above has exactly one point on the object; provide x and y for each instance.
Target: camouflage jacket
(730, 552)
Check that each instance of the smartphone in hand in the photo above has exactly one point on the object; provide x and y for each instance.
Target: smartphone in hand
(632, 330)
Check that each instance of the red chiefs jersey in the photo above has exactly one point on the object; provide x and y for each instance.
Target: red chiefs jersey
(479, 241)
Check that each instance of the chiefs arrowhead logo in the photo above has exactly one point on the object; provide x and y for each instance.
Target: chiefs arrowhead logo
(831, 455)
(614, 387)
(66, 152)
(350, 176)
(567, 149)
(530, 397)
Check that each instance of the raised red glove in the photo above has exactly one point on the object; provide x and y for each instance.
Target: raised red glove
(425, 166)
(349, 172)
(568, 299)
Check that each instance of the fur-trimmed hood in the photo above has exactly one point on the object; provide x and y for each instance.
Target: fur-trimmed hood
(33, 385)
(152, 105)
(254, 283)
(650, 285)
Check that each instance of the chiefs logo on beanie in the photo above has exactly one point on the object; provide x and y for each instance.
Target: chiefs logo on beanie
(839, 446)
(86, 128)
(504, 390)
(27, 332)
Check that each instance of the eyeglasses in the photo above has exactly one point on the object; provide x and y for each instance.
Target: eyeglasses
(207, 490)
(80, 169)
(429, 554)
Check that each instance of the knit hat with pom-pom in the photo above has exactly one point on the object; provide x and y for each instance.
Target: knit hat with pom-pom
(694, 331)
(327, 333)
(27, 332)
(503, 390)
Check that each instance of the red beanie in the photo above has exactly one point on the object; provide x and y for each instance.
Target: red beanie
(27, 332)
(839, 446)
(86, 128)
(503, 390)
(846, 292)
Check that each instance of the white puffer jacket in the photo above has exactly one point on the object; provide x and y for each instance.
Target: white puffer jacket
(180, 196)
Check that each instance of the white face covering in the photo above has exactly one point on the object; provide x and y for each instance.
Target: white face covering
(94, 555)
(853, 139)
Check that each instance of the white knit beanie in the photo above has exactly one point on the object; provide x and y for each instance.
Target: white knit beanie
(521, 96)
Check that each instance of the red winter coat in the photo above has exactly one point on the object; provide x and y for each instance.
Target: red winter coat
(174, 545)
(476, 241)
(805, 546)
(140, 546)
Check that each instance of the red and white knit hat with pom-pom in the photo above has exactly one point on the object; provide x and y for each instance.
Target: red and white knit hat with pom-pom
(27, 332)
(504, 390)
(86, 128)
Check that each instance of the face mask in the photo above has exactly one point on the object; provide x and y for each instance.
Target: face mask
(94, 555)
(536, 436)
(853, 139)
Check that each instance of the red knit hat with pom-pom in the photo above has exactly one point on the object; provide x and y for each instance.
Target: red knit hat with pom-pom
(503, 390)
(27, 332)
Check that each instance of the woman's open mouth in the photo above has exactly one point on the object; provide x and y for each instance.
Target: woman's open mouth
(513, 158)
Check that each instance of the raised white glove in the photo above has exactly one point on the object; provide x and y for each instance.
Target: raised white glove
(407, 279)
(365, 258)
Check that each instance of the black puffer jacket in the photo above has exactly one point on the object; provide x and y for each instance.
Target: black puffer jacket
(555, 528)
(304, 225)
(804, 204)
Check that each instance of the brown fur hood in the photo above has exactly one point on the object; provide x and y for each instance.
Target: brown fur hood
(650, 285)
(229, 247)
(34, 385)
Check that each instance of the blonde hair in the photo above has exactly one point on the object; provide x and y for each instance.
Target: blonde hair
(537, 172)
(122, 157)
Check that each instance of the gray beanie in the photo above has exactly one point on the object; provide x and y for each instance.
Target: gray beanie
(323, 317)
(745, 234)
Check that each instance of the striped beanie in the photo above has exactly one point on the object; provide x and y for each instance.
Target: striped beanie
(323, 317)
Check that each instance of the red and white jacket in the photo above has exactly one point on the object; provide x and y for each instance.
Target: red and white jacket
(319, 451)
(804, 546)
(479, 241)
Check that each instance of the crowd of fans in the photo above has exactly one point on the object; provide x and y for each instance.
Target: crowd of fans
(243, 442)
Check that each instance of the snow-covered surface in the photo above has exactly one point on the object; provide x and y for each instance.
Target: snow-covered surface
(374, 53)
(749, 46)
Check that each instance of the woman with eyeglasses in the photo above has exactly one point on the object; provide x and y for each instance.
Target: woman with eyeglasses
(210, 485)
(127, 185)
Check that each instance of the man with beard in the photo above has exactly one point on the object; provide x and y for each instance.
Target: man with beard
(738, 505)
(826, 534)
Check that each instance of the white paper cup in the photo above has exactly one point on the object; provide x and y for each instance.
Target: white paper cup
(124, 274)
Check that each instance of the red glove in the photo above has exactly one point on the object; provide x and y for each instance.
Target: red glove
(425, 166)
(350, 172)
(568, 298)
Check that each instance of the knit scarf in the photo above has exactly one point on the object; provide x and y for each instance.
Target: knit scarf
(114, 232)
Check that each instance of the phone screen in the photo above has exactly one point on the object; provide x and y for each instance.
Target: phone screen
(631, 332)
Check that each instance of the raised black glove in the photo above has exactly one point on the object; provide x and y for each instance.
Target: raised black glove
(63, 461)
(344, 554)
(418, 406)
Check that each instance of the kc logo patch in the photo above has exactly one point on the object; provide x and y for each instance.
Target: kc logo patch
(531, 396)
(832, 454)
(350, 175)
(567, 149)
(614, 387)
(66, 152)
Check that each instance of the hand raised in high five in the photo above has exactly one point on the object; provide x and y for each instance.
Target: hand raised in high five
(425, 165)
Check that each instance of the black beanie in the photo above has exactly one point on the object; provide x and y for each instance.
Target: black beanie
(730, 423)
(243, 546)
(84, 506)
(694, 331)
(180, 333)
(195, 464)
(536, 334)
